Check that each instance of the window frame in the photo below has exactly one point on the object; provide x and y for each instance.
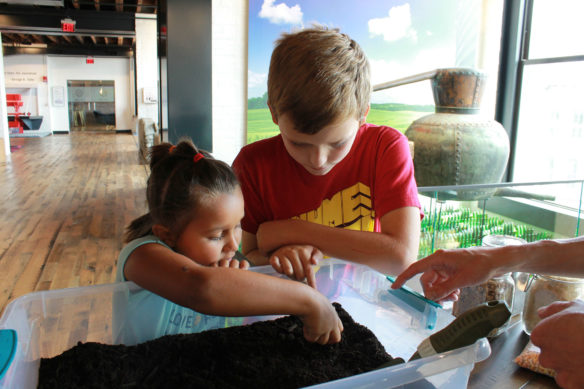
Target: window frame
(514, 57)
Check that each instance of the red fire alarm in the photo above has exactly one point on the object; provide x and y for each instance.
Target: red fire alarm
(89, 60)
(68, 25)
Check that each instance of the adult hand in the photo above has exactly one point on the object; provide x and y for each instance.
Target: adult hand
(322, 325)
(446, 271)
(232, 263)
(560, 337)
(296, 262)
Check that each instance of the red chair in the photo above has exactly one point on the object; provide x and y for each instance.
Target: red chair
(14, 100)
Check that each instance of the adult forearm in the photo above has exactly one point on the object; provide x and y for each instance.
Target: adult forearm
(563, 257)
(380, 251)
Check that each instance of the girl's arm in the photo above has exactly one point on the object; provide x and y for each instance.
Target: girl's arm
(231, 292)
(390, 251)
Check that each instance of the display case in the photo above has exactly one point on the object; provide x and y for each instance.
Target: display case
(461, 216)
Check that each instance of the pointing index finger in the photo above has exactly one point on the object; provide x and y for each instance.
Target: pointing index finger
(412, 270)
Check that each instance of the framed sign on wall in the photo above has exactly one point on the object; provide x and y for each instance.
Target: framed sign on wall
(58, 96)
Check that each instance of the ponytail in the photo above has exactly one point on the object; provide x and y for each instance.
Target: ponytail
(138, 228)
(179, 177)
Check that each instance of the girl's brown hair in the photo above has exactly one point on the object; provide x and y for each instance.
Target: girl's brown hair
(180, 177)
(318, 76)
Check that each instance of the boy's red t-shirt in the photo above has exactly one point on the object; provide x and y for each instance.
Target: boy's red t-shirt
(377, 176)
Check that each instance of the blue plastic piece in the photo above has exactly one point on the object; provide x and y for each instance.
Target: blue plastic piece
(420, 303)
(7, 349)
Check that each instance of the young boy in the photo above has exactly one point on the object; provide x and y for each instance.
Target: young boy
(329, 183)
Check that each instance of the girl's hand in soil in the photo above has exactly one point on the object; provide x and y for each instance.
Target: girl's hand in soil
(232, 263)
(296, 262)
(322, 325)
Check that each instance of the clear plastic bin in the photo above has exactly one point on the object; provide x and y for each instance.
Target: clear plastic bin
(50, 322)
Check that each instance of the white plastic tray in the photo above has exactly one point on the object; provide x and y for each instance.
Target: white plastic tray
(48, 323)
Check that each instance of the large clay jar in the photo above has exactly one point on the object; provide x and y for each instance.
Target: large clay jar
(456, 145)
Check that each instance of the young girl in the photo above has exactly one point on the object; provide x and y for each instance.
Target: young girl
(182, 254)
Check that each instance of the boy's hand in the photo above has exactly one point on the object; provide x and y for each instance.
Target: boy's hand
(322, 325)
(296, 262)
(232, 263)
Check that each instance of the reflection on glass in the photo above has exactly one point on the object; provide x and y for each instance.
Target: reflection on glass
(455, 219)
(556, 29)
(91, 105)
(550, 130)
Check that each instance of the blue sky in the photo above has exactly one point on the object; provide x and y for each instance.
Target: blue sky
(401, 38)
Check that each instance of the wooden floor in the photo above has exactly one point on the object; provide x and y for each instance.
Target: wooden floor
(64, 203)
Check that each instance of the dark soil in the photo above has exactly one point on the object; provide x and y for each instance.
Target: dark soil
(263, 354)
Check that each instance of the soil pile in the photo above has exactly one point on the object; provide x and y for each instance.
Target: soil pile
(270, 353)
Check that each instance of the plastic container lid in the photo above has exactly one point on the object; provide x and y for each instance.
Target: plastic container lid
(502, 240)
(7, 349)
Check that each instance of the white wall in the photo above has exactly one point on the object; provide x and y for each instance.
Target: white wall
(4, 137)
(229, 56)
(63, 68)
(146, 64)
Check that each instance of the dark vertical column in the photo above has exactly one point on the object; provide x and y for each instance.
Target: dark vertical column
(188, 51)
(510, 74)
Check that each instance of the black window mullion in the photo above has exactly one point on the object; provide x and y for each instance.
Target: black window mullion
(510, 72)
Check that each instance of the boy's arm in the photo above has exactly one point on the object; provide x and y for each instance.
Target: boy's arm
(249, 248)
(390, 251)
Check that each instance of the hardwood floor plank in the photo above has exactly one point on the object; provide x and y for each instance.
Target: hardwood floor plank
(66, 202)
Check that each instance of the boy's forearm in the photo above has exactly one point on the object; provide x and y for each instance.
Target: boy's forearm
(377, 250)
(257, 258)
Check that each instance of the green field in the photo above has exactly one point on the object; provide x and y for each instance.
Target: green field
(260, 125)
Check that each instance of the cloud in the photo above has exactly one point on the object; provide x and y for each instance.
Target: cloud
(256, 79)
(420, 92)
(384, 71)
(397, 25)
(281, 13)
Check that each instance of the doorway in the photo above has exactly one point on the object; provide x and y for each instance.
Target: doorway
(91, 105)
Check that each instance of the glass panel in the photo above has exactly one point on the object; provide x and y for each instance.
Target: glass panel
(91, 105)
(556, 29)
(550, 131)
(461, 216)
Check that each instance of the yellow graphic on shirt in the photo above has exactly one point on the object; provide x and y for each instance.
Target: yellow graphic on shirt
(350, 208)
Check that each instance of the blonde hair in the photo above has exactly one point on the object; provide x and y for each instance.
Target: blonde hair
(318, 76)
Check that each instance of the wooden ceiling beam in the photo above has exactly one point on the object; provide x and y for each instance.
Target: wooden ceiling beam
(37, 39)
(80, 39)
(139, 6)
(52, 38)
(120, 5)
(120, 41)
(93, 39)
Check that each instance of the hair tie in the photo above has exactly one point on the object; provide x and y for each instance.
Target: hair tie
(171, 148)
(198, 157)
